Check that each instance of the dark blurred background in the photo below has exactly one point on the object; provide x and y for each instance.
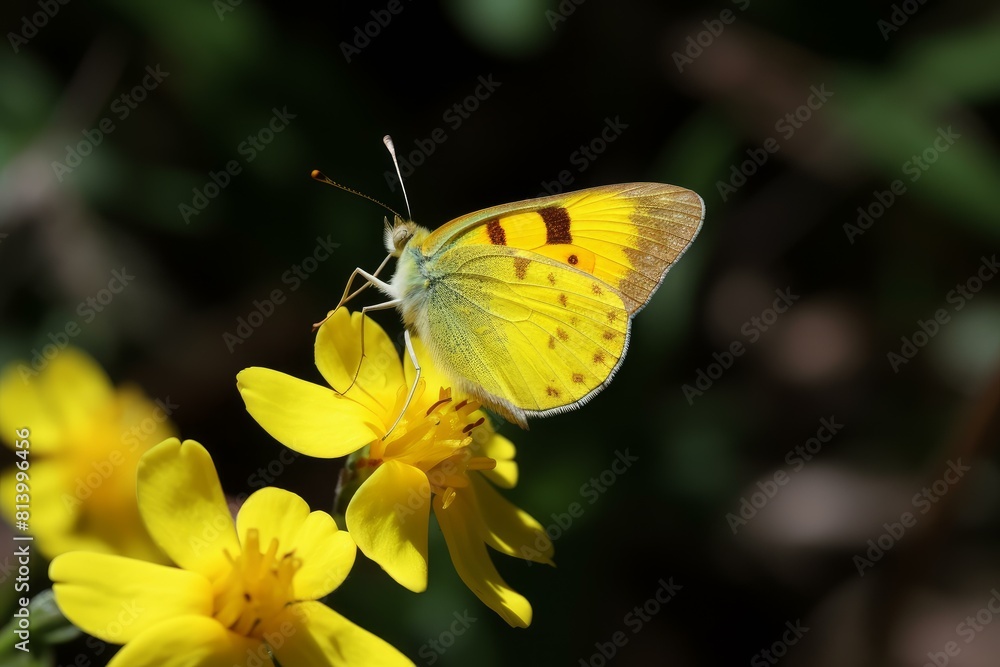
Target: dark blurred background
(847, 155)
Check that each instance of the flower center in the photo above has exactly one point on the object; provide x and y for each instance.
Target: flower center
(257, 586)
(441, 439)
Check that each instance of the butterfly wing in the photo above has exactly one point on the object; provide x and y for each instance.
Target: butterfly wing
(628, 235)
(524, 333)
(531, 302)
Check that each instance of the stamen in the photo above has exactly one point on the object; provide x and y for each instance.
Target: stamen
(435, 406)
(469, 427)
(481, 463)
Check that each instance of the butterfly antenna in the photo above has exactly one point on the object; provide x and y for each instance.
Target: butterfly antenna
(387, 140)
(322, 178)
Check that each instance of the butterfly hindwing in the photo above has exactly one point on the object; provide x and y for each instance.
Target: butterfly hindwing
(526, 333)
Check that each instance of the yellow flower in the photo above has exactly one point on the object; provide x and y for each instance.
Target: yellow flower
(85, 440)
(441, 454)
(242, 593)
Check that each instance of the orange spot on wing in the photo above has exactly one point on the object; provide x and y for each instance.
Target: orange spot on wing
(609, 334)
(552, 391)
(599, 357)
(577, 377)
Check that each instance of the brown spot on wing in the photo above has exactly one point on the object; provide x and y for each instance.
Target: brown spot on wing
(612, 316)
(562, 334)
(596, 289)
(609, 334)
(562, 300)
(552, 279)
(552, 391)
(573, 259)
(552, 342)
(599, 357)
(578, 377)
(496, 232)
(556, 220)
(521, 267)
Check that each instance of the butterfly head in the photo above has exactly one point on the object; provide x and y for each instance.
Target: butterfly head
(398, 234)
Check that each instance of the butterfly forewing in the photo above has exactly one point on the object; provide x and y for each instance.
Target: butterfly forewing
(626, 235)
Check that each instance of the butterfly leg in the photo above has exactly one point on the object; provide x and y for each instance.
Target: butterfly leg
(364, 314)
(348, 295)
(413, 387)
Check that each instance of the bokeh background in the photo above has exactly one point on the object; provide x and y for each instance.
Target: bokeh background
(792, 120)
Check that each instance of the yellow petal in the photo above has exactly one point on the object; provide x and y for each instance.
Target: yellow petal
(327, 553)
(473, 564)
(509, 529)
(52, 401)
(191, 641)
(388, 518)
(338, 358)
(181, 501)
(317, 635)
(501, 450)
(310, 419)
(115, 598)
(435, 378)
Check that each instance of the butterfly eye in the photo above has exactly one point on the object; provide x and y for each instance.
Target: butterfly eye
(402, 232)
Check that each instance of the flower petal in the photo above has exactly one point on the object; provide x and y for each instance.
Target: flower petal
(327, 553)
(191, 641)
(54, 401)
(429, 371)
(509, 529)
(306, 417)
(388, 518)
(501, 450)
(185, 511)
(472, 561)
(317, 635)
(116, 598)
(338, 357)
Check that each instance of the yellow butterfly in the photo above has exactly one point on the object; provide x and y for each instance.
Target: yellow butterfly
(528, 306)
